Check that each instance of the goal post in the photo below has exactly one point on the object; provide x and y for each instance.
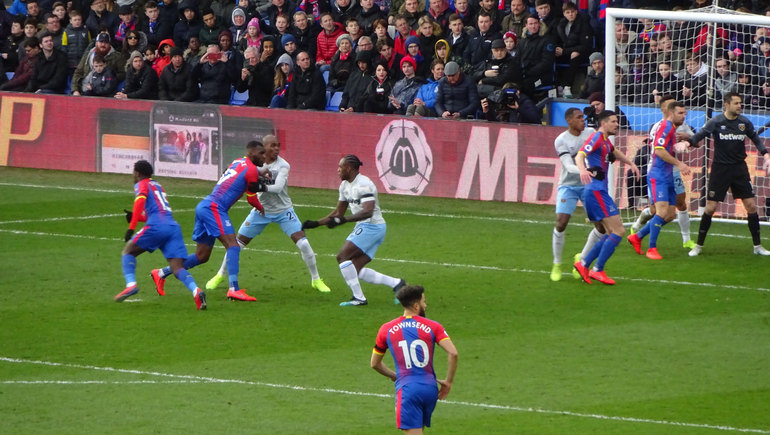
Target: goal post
(701, 34)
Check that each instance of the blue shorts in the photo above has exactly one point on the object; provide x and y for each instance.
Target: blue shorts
(660, 191)
(415, 404)
(567, 198)
(210, 223)
(368, 237)
(598, 205)
(167, 237)
(255, 223)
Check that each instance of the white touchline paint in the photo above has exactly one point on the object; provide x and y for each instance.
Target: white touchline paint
(191, 379)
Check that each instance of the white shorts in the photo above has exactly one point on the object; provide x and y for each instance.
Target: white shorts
(368, 237)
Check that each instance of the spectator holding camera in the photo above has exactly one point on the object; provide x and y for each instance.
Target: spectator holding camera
(510, 105)
(597, 106)
(213, 75)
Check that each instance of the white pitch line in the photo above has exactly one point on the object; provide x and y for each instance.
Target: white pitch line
(425, 263)
(191, 379)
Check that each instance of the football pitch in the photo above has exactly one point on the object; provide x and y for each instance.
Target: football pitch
(679, 346)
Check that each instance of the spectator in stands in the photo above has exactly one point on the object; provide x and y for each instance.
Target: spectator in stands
(194, 51)
(176, 82)
(54, 28)
(760, 52)
(283, 75)
(508, 104)
(304, 35)
(496, 71)
(257, 78)
(650, 27)
(457, 39)
(664, 83)
(30, 30)
(279, 7)
(380, 31)
(60, 11)
(240, 26)
(103, 48)
(405, 90)
(667, 52)
(440, 11)
(163, 56)
(209, 33)
(639, 78)
(314, 9)
(625, 40)
(595, 79)
(100, 17)
(326, 41)
(597, 103)
(368, 14)
(189, 23)
(413, 50)
(253, 37)
(281, 26)
(391, 59)
(509, 39)
(441, 50)
(412, 10)
(573, 45)
(456, 97)
(233, 55)
(516, 21)
(169, 14)
(536, 54)
(693, 82)
(213, 74)
(127, 22)
(467, 14)
(479, 46)
(141, 80)
(152, 26)
(364, 44)
(9, 49)
(307, 88)
(403, 32)
(342, 10)
(355, 88)
(354, 30)
(490, 7)
(134, 40)
(33, 11)
(342, 64)
(23, 72)
(549, 19)
(379, 88)
(425, 100)
(289, 45)
(101, 81)
(49, 73)
(725, 81)
(429, 32)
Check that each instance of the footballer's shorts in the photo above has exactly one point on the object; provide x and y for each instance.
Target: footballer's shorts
(598, 204)
(167, 237)
(678, 182)
(567, 198)
(210, 223)
(734, 177)
(255, 223)
(415, 403)
(661, 191)
(368, 237)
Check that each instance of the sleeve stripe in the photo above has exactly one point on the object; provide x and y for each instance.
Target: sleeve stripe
(445, 338)
(367, 195)
(140, 197)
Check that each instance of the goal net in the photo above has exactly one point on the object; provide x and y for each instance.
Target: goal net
(696, 56)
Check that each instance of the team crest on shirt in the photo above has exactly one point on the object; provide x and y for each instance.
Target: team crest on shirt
(741, 127)
(404, 159)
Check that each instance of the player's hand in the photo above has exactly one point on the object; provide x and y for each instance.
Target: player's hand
(766, 165)
(129, 234)
(635, 170)
(258, 186)
(336, 221)
(129, 215)
(681, 146)
(683, 168)
(309, 224)
(585, 176)
(444, 389)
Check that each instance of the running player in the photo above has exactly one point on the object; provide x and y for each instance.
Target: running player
(728, 170)
(212, 221)
(278, 209)
(359, 193)
(660, 178)
(160, 231)
(411, 340)
(567, 145)
(593, 160)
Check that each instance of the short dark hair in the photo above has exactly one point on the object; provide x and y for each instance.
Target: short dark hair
(729, 97)
(143, 167)
(483, 14)
(408, 295)
(569, 113)
(453, 17)
(32, 42)
(382, 43)
(151, 4)
(665, 98)
(605, 115)
(98, 58)
(542, 2)
(353, 161)
(254, 144)
(569, 6)
(675, 104)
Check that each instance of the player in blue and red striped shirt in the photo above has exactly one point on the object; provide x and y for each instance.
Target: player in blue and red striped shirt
(660, 178)
(411, 339)
(212, 221)
(593, 161)
(159, 231)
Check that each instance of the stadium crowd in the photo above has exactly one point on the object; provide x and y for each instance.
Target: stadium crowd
(446, 58)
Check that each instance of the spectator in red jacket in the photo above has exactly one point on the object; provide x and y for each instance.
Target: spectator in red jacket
(327, 41)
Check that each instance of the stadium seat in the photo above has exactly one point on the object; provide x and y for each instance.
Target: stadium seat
(9, 75)
(334, 102)
(238, 98)
(326, 76)
(120, 86)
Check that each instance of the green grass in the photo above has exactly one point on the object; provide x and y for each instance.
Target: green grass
(678, 346)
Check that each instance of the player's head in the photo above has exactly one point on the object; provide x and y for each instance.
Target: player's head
(272, 146)
(665, 100)
(255, 152)
(732, 103)
(409, 295)
(348, 167)
(676, 112)
(142, 170)
(608, 122)
(574, 118)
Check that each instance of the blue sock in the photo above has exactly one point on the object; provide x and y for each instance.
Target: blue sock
(233, 260)
(190, 262)
(129, 268)
(184, 276)
(594, 252)
(607, 250)
(656, 223)
(645, 229)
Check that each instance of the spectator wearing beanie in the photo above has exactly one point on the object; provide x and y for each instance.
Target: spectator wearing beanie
(176, 82)
(343, 63)
(405, 89)
(595, 79)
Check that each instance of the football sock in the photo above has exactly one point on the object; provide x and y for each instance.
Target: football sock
(607, 249)
(705, 224)
(655, 224)
(223, 268)
(187, 279)
(593, 254)
(683, 218)
(644, 216)
(309, 257)
(233, 262)
(593, 237)
(129, 269)
(754, 228)
(557, 241)
(350, 275)
(374, 277)
(643, 231)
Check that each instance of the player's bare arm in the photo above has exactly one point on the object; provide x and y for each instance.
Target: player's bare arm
(623, 158)
(668, 158)
(446, 384)
(585, 176)
(381, 368)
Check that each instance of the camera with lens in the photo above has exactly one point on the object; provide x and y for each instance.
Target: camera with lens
(507, 97)
(590, 114)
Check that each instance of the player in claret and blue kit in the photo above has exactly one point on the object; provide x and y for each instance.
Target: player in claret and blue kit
(411, 339)
(161, 231)
(212, 221)
(593, 161)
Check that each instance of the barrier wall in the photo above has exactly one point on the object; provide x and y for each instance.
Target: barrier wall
(409, 156)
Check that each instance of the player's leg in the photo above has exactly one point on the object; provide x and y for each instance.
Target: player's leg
(349, 271)
(717, 189)
(743, 190)
(221, 274)
(233, 260)
(368, 238)
(665, 201)
(615, 232)
(643, 218)
(292, 227)
(566, 202)
(176, 265)
(682, 215)
(128, 260)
